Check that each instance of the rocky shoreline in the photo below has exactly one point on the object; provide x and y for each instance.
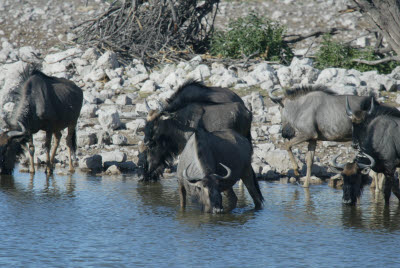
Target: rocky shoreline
(118, 96)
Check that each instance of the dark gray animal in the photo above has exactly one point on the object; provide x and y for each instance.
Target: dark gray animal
(165, 132)
(211, 163)
(41, 103)
(315, 113)
(376, 132)
(355, 176)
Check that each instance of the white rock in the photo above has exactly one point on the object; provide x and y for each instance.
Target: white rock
(123, 100)
(109, 119)
(148, 86)
(137, 124)
(90, 55)
(285, 76)
(119, 139)
(114, 156)
(67, 54)
(107, 61)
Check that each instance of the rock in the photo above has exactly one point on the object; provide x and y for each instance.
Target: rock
(274, 129)
(85, 138)
(138, 79)
(285, 77)
(91, 162)
(137, 124)
(103, 138)
(107, 61)
(90, 55)
(67, 54)
(109, 119)
(148, 87)
(114, 156)
(119, 139)
(278, 159)
(313, 180)
(113, 170)
(200, 73)
(123, 100)
(89, 110)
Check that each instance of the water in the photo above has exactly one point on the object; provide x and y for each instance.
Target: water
(85, 221)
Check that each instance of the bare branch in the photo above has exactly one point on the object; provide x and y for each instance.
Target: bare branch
(297, 37)
(376, 62)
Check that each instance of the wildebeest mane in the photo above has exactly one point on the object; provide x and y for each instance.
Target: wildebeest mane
(304, 90)
(190, 82)
(382, 110)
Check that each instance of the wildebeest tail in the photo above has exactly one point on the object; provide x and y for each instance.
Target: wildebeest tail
(257, 185)
(288, 132)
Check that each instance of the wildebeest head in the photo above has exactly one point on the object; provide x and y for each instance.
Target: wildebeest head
(159, 146)
(10, 147)
(358, 118)
(207, 190)
(355, 176)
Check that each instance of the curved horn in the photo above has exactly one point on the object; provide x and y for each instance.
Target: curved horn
(333, 162)
(348, 109)
(275, 99)
(228, 170)
(15, 133)
(372, 108)
(186, 177)
(371, 165)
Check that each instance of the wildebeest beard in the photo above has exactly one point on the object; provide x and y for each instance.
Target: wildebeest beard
(9, 153)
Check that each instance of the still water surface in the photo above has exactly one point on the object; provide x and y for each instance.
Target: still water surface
(85, 221)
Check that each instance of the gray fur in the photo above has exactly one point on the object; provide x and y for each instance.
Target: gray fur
(43, 103)
(202, 158)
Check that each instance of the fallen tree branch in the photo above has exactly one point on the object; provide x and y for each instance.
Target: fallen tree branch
(376, 62)
(294, 38)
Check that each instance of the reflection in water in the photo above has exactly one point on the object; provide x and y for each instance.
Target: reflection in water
(117, 221)
(374, 216)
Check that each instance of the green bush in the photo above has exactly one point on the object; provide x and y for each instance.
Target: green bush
(251, 35)
(339, 55)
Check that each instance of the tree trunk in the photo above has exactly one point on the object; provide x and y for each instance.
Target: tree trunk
(385, 15)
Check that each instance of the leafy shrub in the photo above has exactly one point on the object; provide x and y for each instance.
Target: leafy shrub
(251, 35)
(339, 55)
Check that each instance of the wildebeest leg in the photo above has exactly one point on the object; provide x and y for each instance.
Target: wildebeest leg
(57, 137)
(312, 144)
(232, 198)
(250, 180)
(70, 141)
(289, 145)
(182, 195)
(388, 186)
(374, 182)
(31, 150)
(395, 187)
(47, 144)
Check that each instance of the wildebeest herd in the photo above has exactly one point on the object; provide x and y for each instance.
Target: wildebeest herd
(207, 129)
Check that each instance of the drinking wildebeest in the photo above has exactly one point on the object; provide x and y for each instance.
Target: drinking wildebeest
(315, 113)
(41, 103)
(164, 131)
(376, 132)
(211, 163)
(355, 176)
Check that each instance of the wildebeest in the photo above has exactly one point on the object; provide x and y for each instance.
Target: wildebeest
(355, 176)
(376, 132)
(211, 163)
(41, 103)
(166, 131)
(315, 113)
